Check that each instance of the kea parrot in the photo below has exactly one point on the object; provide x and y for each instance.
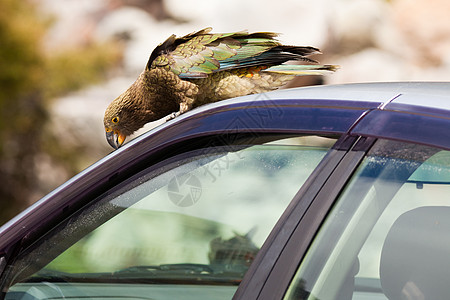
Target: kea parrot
(204, 67)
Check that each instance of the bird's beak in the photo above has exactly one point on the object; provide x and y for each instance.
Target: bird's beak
(115, 138)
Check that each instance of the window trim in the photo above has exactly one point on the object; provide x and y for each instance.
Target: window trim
(402, 122)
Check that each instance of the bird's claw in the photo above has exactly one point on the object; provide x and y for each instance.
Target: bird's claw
(172, 116)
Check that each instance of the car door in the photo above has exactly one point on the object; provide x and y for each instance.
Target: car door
(184, 212)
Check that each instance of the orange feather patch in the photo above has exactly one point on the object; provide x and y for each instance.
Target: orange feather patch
(250, 72)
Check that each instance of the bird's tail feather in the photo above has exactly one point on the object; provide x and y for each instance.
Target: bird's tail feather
(299, 70)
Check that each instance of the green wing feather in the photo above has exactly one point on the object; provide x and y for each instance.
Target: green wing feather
(200, 53)
(298, 70)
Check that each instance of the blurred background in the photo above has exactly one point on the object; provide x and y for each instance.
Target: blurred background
(63, 61)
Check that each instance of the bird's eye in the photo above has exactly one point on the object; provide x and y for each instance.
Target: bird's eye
(115, 120)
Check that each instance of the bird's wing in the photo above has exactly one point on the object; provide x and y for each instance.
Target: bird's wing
(201, 53)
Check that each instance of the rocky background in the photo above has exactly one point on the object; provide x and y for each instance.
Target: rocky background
(63, 61)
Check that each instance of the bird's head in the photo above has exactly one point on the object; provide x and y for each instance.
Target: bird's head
(132, 110)
(123, 117)
(115, 120)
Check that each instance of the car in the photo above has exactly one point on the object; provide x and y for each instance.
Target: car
(324, 192)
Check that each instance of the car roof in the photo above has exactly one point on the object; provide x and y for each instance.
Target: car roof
(409, 93)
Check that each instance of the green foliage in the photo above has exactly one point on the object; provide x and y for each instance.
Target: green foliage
(20, 33)
(28, 80)
(21, 113)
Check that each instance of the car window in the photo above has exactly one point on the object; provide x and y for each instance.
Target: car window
(388, 235)
(186, 228)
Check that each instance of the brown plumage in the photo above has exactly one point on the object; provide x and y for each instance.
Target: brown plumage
(202, 67)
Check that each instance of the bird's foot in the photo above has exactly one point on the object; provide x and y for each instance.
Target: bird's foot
(172, 116)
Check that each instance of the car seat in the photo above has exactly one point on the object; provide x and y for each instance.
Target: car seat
(415, 258)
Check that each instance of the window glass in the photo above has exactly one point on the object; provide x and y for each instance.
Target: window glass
(188, 228)
(388, 235)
